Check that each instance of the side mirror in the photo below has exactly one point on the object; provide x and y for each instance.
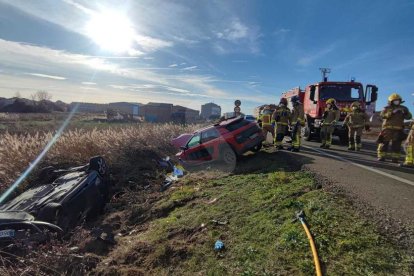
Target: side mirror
(184, 148)
(374, 95)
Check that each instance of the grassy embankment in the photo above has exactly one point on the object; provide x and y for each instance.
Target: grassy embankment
(253, 212)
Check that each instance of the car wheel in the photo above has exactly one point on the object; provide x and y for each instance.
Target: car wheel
(98, 164)
(228, 156)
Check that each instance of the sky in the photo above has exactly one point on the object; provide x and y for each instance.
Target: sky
(193, 52)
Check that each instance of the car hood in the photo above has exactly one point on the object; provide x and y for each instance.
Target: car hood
(181, 140)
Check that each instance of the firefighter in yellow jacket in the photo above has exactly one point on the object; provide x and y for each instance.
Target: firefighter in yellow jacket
(265, 121)
(356, 121)
(330, 117)
(297, 121)
(409, 148)
(393, 117)
(280, 120)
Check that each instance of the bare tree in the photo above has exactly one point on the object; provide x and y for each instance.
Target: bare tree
(43, 95)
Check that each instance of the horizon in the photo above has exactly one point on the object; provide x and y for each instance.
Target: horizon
(188, 53)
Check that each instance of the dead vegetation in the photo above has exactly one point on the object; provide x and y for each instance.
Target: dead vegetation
(75, 147)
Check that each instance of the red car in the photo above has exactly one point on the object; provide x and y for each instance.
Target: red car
(223, 141)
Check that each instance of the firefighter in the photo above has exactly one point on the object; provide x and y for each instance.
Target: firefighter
(297, 120)
(280, 121)
(265, 121)
(409, 148)
(393, 116)
(356, 120)
(330, 117)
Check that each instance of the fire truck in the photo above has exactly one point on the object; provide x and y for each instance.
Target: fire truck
(315, 95)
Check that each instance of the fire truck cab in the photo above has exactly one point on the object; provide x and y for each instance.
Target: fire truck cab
(345, 93)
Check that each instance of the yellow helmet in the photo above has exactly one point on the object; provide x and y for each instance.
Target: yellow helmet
(394, 97)
(356, 104)
(331, 101)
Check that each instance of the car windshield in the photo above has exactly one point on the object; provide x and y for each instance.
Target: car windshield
(340, 92)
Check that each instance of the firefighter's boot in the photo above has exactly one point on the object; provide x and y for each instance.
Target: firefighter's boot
(351, 143)
(358, 144)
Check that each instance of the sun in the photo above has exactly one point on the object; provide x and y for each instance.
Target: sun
(111, 31)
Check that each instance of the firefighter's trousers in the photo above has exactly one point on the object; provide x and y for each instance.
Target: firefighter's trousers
(296, 141)
(266, 129)
(326, 134)
(390, 135)
(409, 158)
(281, 130)
(354, 134)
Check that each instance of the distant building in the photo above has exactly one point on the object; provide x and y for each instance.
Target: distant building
(183, 114)
(88, 107)
(158, 112)
(210, 110)
(133, 109)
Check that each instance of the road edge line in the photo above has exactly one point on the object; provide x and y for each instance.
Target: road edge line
(400, 179)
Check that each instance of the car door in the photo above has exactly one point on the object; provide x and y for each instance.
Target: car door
(195, 151)
(210, 142)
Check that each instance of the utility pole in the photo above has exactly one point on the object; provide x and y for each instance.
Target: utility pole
(325, 72)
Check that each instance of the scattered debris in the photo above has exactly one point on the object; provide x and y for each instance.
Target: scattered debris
(212, 201)
(217, 222)
(219, 245)
(177, 171)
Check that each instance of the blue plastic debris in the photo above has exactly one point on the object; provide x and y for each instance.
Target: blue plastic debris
(219, 245)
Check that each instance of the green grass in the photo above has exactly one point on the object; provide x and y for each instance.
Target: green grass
(261, 235)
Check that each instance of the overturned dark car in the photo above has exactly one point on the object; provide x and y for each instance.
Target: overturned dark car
(76, 194)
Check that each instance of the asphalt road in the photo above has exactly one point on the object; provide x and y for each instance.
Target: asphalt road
(383, 185)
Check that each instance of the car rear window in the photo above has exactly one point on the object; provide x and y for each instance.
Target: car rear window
(237, 124)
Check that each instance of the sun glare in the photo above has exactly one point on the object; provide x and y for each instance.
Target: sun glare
(111, 31)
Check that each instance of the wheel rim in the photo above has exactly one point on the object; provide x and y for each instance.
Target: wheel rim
(229, 157)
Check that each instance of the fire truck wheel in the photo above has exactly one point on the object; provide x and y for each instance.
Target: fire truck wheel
(306, 132)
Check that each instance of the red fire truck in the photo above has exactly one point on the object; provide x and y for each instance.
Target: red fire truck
(315, 95)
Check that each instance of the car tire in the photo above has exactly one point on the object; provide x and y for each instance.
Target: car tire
(98, 164)
(228, 156)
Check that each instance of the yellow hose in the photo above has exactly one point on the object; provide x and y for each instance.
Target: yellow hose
(312, 244)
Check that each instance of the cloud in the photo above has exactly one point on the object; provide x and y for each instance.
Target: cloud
(310, 58)
(281, 31)
(46, 76)
(114, 80)
(150, 44)
(173, 65)
(88, 83)
(237, 37)
(190, 68)
(234, 32)
(79, 6)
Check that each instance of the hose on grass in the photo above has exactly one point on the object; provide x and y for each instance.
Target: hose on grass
(301, 218)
